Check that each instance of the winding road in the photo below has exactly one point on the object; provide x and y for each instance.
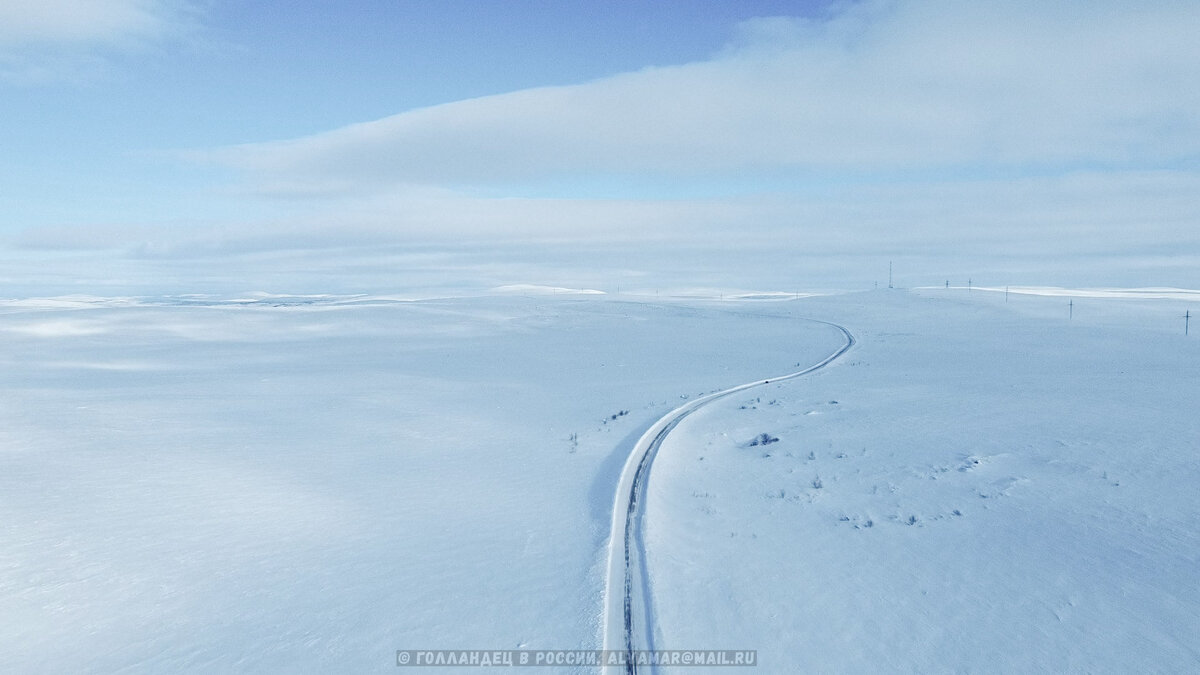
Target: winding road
(628, 624)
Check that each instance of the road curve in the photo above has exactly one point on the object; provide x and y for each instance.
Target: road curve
(627, 612)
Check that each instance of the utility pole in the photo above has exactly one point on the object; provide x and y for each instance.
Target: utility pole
(889, 274)
(1187, 318)
(1071, 309)
(968, 285)
(947, 284)
(1006, 294)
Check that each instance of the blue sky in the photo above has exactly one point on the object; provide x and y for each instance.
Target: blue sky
(92, 119)
(1047, 133)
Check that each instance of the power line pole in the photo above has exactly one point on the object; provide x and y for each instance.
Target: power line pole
(1071, 310)
(1006, 294)
(1187, 318)
(889, 274)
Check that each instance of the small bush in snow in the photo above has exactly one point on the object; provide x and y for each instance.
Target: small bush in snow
(763, 439)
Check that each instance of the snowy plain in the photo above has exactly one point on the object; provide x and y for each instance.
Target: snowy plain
(309, 483)
(985, 484)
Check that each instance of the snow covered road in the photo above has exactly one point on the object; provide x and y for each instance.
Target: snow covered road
(628, 610)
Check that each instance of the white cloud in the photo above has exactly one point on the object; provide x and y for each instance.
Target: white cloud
(881, 86)
(938, 128)
(1082, 214)
(50, 39)
(72, 21)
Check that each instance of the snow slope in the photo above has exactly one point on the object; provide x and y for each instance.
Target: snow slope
(977, 486)
(282, 483)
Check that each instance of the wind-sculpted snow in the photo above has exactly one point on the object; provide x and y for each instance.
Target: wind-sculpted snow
(310, 482)
(980, 486)
(266, 482)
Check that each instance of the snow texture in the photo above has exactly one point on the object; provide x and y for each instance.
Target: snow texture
(265, 482)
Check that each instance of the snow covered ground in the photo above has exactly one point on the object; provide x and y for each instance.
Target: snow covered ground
(977, 486)
(309, 483)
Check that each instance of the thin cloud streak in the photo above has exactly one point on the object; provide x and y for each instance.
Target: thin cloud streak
(40, 22)
(48, 40)
(1147, 213)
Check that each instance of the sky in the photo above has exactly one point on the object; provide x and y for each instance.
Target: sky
(1026, 142)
